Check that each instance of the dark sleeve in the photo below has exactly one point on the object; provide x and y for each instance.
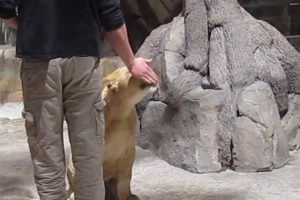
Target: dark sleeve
(7, 9)
(111, 15)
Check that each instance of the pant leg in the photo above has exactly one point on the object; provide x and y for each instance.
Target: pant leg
(42, 93)
(84, 115)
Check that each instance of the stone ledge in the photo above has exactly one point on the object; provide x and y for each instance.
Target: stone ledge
(10, 84)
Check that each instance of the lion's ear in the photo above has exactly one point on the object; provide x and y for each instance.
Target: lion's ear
(114, 87)
(110, 84)
(109, 89)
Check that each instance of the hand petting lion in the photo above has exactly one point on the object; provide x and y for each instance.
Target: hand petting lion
(121, 92)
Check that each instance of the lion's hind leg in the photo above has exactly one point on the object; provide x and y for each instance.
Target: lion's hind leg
(111, 190)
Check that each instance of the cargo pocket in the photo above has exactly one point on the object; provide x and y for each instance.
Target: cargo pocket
(29, 124)
(100, 123)
(31, 132)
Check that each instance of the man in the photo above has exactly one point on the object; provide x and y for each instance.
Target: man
(59, 43)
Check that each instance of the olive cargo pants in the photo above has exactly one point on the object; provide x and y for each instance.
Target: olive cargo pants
(57, 89)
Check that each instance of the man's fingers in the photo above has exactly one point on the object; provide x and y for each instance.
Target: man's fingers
(150, 69)
(151, 79)
(152, 74)
(146, 80)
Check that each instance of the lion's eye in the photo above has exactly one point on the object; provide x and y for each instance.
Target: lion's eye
(143, 86)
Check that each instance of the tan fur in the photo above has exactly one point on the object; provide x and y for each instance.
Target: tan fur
(121, 92)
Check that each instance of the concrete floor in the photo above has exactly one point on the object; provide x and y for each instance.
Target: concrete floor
(153, 179)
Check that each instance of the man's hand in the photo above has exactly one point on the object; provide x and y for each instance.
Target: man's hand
(12, 23)
(140, 69)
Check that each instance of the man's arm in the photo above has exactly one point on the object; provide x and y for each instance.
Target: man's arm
(119, 41)
(8, 13)
(139, 67)
(112, 21)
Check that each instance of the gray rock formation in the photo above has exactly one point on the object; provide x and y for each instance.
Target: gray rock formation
(291, 122)
(185, 136)
(196, 30)
(244, 63)
(258, 139)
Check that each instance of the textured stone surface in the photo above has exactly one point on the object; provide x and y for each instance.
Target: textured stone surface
(186, 137)
(196, 36)
(243, 53)
(291, 122)
(173, 55)
(259, 142)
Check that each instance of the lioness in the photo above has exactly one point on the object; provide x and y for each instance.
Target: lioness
(121, 92)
